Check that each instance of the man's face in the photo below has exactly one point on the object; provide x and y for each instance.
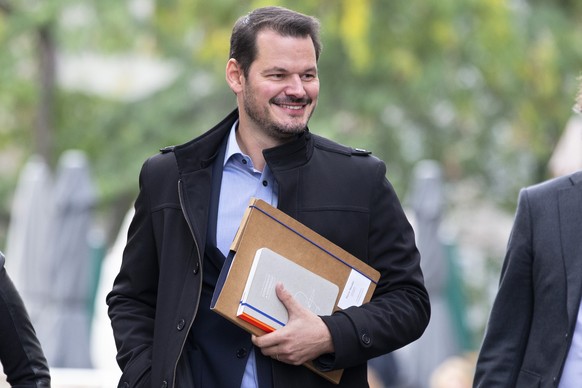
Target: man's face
(280, 93)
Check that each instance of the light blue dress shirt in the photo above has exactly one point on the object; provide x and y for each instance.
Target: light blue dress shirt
(240, 182)
(572, 373)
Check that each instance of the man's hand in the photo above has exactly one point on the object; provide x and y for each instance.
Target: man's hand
(304, 337)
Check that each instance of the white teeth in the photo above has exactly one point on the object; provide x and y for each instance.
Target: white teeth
(293, 107)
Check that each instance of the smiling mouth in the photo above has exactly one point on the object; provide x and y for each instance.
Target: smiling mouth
(292, 104)
(296, 105)
(292, 107)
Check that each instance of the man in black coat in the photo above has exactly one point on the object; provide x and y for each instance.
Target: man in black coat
(191, 201)
(20, 353)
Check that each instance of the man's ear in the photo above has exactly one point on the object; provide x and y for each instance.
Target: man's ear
(234, 75)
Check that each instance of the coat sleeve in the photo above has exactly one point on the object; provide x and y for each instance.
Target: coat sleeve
(20, 352)
(399, 310)
(504, 343)
(132, 301)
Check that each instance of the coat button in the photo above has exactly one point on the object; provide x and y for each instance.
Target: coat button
(241, 353)
(164, 384)
(196, 268)
(366, 339)
(125, 384)
(181, 324)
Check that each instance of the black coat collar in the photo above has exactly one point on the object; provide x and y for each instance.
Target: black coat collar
(200, 152)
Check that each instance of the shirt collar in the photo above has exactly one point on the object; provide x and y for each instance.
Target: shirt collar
(285, 156)
(232, 147)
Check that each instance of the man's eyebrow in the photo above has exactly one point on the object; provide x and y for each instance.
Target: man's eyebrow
(277, 69)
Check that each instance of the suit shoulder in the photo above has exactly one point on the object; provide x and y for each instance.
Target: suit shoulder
(576, 177)
(332, 146)
(161, 164)
(548, 189)
(555, 183)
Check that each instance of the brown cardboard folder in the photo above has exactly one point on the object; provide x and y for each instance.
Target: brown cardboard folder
(266, 226)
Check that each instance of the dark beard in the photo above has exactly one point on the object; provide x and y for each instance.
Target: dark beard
(273, 129)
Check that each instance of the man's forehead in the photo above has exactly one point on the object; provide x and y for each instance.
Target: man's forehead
(273, 45)
(267, 35)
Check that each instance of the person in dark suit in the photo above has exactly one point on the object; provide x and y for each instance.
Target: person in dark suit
(534, 334)
(21, 355)
(192, 199)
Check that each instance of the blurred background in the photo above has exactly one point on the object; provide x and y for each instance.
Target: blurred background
(467, 101)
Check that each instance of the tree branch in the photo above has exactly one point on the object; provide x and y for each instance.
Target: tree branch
(47, 73)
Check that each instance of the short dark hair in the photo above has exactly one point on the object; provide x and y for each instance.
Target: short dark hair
(284, 21)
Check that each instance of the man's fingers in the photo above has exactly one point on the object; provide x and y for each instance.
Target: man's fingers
(286, 298)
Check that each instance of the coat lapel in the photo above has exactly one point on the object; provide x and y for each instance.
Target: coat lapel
(195, 161)
(570, 207)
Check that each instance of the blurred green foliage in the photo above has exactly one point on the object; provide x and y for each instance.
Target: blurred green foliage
(485, 87)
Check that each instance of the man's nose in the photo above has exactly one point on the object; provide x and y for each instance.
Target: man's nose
(295, 86)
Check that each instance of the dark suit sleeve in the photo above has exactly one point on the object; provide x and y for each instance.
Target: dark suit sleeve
(20, 352)
(132, 301)
(503, 348)
(399, 310)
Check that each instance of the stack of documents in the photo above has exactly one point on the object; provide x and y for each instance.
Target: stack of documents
(267, 232)
(259, 304)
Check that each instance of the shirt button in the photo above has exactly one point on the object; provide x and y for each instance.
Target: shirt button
(241, 353)
(366, 339)
(244, 161)
(181, 325)
(265, 183)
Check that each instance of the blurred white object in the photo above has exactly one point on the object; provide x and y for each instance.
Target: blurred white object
(28, 234)
(567, 156)
(126, 78)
